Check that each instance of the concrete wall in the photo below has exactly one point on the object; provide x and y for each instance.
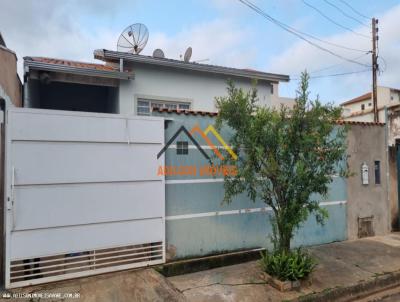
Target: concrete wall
(367, 144)
(198, 224)
(199, 89)
(10, 85)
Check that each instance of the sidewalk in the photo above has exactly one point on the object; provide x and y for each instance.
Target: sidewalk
(345, 268)
(350, 265)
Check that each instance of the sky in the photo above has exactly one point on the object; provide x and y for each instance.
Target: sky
(223, 32)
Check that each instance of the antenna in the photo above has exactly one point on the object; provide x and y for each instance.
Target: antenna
(158, 53)
(188, 54)
(133, 39)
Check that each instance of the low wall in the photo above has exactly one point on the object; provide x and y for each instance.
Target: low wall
(198, 224)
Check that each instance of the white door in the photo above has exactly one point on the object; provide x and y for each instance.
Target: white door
(82, 194)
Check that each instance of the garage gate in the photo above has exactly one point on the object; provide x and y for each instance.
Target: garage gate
(82, 195)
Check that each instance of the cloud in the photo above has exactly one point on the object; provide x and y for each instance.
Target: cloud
(217, 40)
(73, 29)
(303, 56)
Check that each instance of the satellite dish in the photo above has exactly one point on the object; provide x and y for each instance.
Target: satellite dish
(188, 54)
(158, 53)
(133, 39)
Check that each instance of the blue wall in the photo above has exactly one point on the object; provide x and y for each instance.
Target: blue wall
(198, 224)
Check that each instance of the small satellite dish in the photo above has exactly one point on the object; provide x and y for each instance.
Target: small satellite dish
(158, 53)
(188, 54)
(133, 39)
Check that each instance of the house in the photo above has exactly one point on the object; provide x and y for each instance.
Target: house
(361, 107)
(134, 84)
(10, 84)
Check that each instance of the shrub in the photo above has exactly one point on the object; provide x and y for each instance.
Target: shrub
(293, 265)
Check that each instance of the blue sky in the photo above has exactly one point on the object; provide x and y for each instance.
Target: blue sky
(224, 31)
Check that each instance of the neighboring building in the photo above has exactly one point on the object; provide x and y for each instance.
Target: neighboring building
(10, 84)
(361, 107)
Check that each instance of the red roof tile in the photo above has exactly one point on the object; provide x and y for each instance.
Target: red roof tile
(186, 112)
(342, 122)
(71, 63)
(360, 98)
(210, 113)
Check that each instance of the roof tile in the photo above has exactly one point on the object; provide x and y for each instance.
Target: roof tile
(71, 63)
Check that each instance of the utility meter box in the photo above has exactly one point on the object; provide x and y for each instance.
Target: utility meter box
(364, 174)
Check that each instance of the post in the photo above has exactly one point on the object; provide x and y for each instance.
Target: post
(374, 69)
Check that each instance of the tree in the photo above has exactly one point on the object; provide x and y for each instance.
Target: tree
(286, 156)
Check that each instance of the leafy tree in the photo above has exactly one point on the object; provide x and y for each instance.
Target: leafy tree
(287, 156)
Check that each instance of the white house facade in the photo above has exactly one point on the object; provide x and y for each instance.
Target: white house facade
(135, 84)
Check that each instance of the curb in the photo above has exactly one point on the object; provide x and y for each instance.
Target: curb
(356, 291)
(205, 263)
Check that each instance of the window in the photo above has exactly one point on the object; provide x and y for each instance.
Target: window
(184, 106)
(143, 106)
(272, 89)
(362, 106)
(182, 148)
(369, 104)
(377, 168)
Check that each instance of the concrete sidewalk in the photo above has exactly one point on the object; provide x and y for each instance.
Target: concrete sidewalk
(342, 265)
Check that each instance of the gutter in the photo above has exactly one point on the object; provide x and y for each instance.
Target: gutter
(77, 70)
(108, 55)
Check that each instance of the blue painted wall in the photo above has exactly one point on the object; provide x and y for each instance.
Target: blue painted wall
(199, 224)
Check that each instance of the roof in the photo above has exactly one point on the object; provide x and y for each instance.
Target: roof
(2, 42)
(360, 98)
(76, 67)
(70, 63)
(211, 114)
(186, 112)
(115, 56)
(342, 122)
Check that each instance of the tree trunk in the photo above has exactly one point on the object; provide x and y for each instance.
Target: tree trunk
(284, 237)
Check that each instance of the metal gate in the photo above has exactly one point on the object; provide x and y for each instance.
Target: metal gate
(82, 195)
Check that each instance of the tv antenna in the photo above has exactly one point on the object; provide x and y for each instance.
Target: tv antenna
(133, 39)
(158, 53)
(188, 54)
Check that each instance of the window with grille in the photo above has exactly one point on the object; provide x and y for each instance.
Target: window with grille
(144, 107)
(182, 148)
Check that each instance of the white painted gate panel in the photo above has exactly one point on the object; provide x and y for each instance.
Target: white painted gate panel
(82, 194)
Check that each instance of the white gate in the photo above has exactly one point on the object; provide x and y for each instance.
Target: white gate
(82, 194)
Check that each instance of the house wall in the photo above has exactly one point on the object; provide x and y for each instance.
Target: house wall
(367, 144)
(198, 223)
(200, 89)
(10, 85)
(386, 97)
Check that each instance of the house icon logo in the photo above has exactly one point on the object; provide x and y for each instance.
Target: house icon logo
(204, 136)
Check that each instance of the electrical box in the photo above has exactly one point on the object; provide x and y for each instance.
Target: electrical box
(364, 174)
